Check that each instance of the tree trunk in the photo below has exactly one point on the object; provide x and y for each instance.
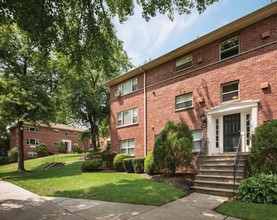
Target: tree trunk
(93, 134)
(21, 167)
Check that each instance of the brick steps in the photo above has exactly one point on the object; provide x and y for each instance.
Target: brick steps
(214, 191)
(227, 179)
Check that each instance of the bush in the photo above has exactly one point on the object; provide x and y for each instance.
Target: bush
(61, 147)
(138, 164)
(14, 154)
(261, 188)
(263, 156)
(149, 165)
(4, 160)
(173, 147)
(92, 165)
(42, 149)
(118, 162)
(77, 149)
(108, 157)
(128, 165)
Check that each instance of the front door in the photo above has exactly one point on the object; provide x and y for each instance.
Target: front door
(231, 132)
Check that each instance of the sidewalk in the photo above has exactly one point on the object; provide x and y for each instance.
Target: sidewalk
(19, 204)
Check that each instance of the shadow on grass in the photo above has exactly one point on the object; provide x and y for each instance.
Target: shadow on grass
(139, 191)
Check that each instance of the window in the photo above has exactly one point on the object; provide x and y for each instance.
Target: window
(230, 92)
(229, 48)
(248, 129)
(183, 63)
(127, 87)
(128, 117)
(127, 147)
(76, 133)
(184, 101)
(197, 140)
(217, 133)
(56, 131)
(66, 133)
(31, 129)
(32, 154)
(55, 143)
(32, 142)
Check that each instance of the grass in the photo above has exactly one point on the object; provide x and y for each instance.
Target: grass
(249, 211)
(69, 181)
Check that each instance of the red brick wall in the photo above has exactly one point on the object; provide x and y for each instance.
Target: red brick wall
(250, 68)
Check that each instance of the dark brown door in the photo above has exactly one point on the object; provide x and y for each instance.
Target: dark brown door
(231, 126)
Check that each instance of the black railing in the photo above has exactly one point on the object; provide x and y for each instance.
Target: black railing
(199, 159)
(237, 160)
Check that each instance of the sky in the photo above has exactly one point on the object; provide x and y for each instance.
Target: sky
(149, 40)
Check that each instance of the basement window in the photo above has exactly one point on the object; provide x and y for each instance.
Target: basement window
(183, 63)
(229, 48)
(32, 154)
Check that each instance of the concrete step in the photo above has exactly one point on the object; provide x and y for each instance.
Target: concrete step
(220, 167)
(220, 172)
(223, 162)
(215, 184)
(214, 191)
(226, 179)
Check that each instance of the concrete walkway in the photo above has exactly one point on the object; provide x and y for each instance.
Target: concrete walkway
(19, 204)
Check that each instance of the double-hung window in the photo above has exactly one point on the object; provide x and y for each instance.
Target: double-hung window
(127, 87)
(183, 63)
(32, 142)
(197, 140)
(184, 101)
(229, 48)
(230, 91)
(31, 129)
(32, 154)
(127, 147)
(128, 117)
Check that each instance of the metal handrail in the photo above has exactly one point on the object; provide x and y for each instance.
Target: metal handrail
(199, 159)
(237, 159)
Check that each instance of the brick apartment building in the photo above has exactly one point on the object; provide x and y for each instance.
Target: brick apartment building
(223, 85)
(33, 135)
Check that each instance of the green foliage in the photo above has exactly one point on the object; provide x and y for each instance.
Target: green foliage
(42, 149)
(4, 141)
(108, 145)
(118, 162)
(92, 165)
(14, 154)
(261, 188)
(149, 165)
(108, 157)
(61, 147)
(263, 156)
(77, 149)
(4, 160)
(173, 147)
(138, 165)
(128, 165)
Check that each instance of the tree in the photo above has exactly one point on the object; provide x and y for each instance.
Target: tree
(173, 147)
(4, 141)
(26, 83)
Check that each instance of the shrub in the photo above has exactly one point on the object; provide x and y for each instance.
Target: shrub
(173, 147)
(4, 160)
(263, 156)
(92, 165)
(261, 188)
(149, 165)
(108, 157)
(138, 164)
(42, 149)
(77, 149)
(128, 165)
(118, 162)
(108, 146)
(14, 154)
(61, 147)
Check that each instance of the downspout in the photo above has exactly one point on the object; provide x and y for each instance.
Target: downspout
(144, 113)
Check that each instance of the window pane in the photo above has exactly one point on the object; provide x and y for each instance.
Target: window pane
(184, 62)
(32, 141)
(131, 143)
(229, 48)
(197, 145)
(127, 119)
(123, 151)
(197, 135)
(127, 87)
(131, 151)
(184, 104)
(123, 144)
(230, 96)
(233, 42)
(184, 101)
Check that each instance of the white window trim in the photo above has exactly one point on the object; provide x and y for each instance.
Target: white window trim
(189, 55)
(181, 109)
(32, 154)
(227, 84)
(194, 140)
(220, 51)
(31, 145)
(28, 128)
(134, 82)
(133, 110)
(127, 148)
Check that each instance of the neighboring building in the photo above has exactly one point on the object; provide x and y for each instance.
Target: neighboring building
(33, 135)
(223, 85)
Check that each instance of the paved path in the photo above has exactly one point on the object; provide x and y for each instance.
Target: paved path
(19, 204)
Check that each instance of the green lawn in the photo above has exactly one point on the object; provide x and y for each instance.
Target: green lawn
(249, 211)
(69, 181)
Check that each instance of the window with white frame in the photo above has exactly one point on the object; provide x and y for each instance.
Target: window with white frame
(31, 129)
(197, 140)
(56, 131)
(128, 117)
(230, 91)
(127, 147)
(229, 48)
(66, 133)
(76, 133)
(32, 142)
(183, 63)
(127, 87)
(32, 154)
(184, 101)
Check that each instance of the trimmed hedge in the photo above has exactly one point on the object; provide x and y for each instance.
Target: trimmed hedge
(138, 165)
(61, 147)
(128, 165)
(149, 165)
(77, 149)
(92, 165)
(108, 157)
(118, 162)
(42, 149)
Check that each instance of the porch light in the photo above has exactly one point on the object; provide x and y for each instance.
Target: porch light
(203, 118)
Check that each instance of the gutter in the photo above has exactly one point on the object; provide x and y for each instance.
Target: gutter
(145, 113)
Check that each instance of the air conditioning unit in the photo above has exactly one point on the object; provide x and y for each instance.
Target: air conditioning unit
(118, 93)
